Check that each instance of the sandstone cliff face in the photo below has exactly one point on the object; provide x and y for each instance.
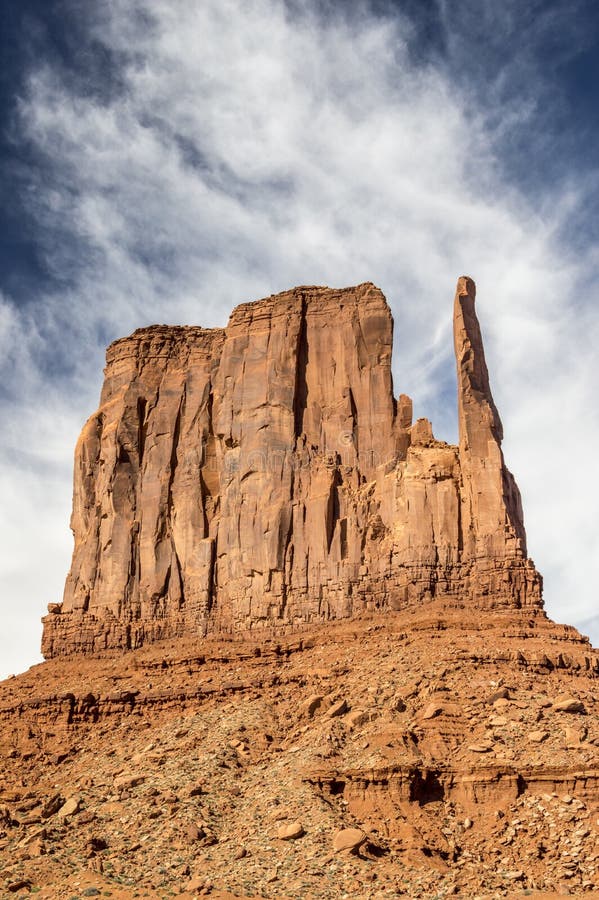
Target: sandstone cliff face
(264, 476)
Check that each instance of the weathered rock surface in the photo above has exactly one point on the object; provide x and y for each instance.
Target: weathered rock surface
(264, 476)
(194, 765)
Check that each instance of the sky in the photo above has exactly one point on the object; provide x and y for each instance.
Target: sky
(165, 160)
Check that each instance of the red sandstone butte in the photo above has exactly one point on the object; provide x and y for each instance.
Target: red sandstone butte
(263, 476)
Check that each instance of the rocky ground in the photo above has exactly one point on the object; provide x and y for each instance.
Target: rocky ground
(424, 754)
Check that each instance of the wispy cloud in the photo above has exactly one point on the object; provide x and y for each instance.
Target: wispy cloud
(246, 149)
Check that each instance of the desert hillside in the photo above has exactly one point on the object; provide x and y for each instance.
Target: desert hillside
(430, 754)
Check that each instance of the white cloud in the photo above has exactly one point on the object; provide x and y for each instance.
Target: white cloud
(250, 151)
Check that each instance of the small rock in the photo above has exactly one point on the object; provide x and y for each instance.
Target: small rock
(482, 747)
(37, 847)
(467, 823)
(516, 875)
(568, 704)
(31, 819)
(500, 694)
(87, 817)
(537, 737)
(263, 740)
(194, 833)
(433, 710)
(198, 886)
(359, 717)
(291, 831)
(501, 703)
(124, 782)
(338, 709)
(196, 790)
(279, 815)
(349, 839)
(5, 816)
(241, 853)
(309, 706)
(15, 886)
(497, 721)
(28, 805)
(574, 736)
(70, 808)
(52, 806)
(30, 839)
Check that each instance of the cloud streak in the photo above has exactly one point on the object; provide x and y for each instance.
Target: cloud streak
(250, 148)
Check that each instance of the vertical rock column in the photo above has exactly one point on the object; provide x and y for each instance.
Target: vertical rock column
(492, 528)
(144, 498)
(304, 413)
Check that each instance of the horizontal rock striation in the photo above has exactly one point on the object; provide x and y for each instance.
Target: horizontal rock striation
(264, 476)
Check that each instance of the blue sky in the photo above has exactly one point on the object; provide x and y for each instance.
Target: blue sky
(164, 161)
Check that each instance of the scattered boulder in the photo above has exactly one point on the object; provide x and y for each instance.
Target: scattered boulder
(398, 704)
(21, 884)
(311, 705)
(291, 831)
(574, 736)
(194, 833)
(70, 808)
(198, 886)
(348, 839)
(52, 806)
(87, 817)
(498, 721)
(338, 709)
(359, 717)
(501, 703)
(5, 816)
(567, 704)
(37, 847)
(501, 693)
(432, 711)
(125, 782)
(481, 747)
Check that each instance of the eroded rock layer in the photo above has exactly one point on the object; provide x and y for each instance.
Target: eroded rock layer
(264, 475)
(425, 753)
